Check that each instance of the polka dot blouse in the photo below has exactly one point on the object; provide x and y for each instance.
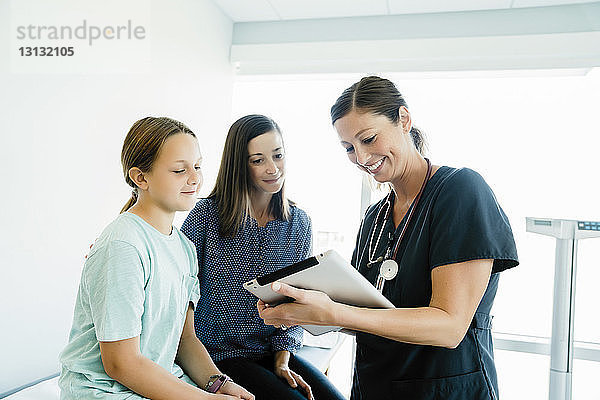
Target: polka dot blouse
(226, 318)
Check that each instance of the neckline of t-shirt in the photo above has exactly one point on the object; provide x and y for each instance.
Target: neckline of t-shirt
(170, 236)
(434, 177)
(430, 183)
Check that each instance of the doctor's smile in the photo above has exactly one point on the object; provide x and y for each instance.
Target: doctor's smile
(374, 168)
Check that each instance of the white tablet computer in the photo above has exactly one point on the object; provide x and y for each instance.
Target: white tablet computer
(327, 272)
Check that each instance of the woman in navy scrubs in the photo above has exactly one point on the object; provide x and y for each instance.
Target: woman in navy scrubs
(442, 239)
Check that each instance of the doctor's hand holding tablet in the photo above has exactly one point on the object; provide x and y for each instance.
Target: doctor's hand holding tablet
(318, 311)
(327, 278)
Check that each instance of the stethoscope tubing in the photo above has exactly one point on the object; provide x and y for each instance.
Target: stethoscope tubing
(387, 205)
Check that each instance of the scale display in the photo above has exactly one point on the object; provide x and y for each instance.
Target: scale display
(588, 226)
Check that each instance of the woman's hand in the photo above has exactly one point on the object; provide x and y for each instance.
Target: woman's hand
(282, 370)
(233, 389)
(310, 307)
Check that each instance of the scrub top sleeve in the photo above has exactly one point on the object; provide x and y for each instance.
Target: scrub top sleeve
(114, 280)
(467, 223)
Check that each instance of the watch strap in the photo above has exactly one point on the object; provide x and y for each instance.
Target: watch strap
(215, 382)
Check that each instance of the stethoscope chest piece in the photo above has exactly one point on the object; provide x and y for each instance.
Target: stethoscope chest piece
(387, 272)
(388, 269)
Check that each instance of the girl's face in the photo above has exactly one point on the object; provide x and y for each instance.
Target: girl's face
(175, 177)
(266, 162)
(375, 144)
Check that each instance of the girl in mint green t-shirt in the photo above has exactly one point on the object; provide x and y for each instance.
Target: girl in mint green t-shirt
(133, 327)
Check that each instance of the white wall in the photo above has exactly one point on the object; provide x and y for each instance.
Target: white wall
(62, 125)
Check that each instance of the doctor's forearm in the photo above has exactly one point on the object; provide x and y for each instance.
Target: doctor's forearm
(424, 325)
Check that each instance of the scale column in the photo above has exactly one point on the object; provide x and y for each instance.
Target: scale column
(563, 313)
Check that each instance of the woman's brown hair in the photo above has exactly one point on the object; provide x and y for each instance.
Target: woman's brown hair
(142, 146)
(233, 185)
(378, 96)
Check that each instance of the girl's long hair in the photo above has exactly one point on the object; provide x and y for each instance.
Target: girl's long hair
(142, 145)
(233, 185)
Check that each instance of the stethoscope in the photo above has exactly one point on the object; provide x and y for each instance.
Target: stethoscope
(389, 267)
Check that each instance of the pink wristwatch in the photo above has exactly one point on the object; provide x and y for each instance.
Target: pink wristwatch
(215, 382)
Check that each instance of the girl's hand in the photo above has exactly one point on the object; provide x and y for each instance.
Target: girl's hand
(310, 307)
(231, 388)
(283, 370)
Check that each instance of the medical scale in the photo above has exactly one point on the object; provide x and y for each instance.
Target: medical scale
(567, 234)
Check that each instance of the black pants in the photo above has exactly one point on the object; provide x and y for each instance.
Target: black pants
(257, 377)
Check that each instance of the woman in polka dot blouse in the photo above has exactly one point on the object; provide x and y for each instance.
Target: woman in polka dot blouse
(246, 228)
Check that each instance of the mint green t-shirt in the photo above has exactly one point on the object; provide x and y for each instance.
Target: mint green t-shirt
(136, 281)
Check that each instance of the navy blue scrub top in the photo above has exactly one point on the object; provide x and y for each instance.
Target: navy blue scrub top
(457, 219)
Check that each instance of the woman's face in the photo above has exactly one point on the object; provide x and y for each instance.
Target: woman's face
(375, 144)
(266, 162)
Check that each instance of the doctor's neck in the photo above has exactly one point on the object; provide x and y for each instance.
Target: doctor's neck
(407, 184)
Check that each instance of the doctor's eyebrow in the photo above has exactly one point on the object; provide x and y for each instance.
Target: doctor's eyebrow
(357, 134)
(362, 130)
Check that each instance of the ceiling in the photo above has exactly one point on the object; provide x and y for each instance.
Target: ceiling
(283, 10)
